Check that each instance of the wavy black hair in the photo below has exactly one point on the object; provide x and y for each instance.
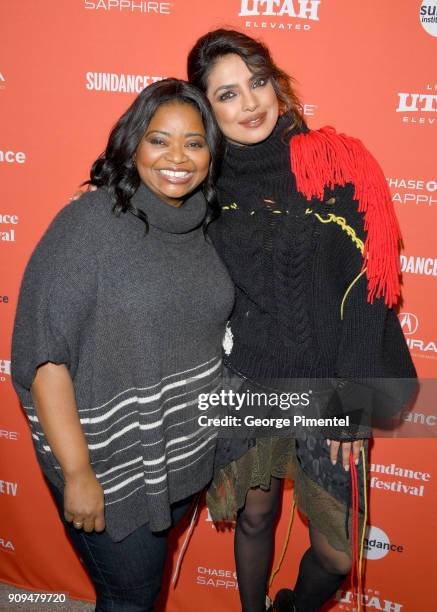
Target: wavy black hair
(115, 168)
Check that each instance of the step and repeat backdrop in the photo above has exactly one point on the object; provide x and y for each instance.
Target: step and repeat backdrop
(68, 69)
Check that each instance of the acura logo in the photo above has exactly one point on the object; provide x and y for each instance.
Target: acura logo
(409, 322)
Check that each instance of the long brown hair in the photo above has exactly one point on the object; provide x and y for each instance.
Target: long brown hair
(255, 54)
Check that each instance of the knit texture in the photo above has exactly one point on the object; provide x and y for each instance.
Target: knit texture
(138, 319)
(292, 261)
(322, 158)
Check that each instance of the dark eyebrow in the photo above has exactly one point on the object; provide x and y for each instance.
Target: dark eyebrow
(252, 78)
(189, 135)
(224, 87)
(158, 132)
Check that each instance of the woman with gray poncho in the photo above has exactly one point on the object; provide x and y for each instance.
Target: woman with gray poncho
(119, 328)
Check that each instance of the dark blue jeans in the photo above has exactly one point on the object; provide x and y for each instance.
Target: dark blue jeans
(126, 575)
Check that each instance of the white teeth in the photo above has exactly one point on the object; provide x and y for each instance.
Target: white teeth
(174, 173)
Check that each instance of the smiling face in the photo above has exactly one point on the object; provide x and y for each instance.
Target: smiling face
(245, 105)
(172, 158)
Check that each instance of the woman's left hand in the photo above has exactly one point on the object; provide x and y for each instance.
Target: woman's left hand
(346, 448)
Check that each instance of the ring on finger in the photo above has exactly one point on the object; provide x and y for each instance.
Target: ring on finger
(77, 525)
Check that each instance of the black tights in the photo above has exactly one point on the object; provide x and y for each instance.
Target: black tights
(322, 568)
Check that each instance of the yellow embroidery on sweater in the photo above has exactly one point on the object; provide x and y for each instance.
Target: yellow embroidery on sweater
(232, 206)
(356, 279)
(341, 221)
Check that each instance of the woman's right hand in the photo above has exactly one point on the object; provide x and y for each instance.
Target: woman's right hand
(84, 501)
(79, 193)
(55, 403)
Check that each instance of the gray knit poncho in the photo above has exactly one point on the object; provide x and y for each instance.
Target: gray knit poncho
(138, 319)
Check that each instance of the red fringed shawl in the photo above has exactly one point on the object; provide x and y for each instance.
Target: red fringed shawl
(322, 158)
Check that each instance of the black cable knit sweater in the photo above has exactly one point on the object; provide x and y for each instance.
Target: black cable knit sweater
(292, 262)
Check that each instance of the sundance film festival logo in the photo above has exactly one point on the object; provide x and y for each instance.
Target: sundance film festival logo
(410, 326)
(377, 544)
(413, 481)
(418, 107)
(12, 157)
(8, 225)
(413, 191)
(306, 11)
(120, 83)
(428, 16)
(129, 6)
(424, 266)
(369, 599)
(419, 418)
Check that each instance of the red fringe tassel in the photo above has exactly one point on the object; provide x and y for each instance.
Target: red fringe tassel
(322, 158)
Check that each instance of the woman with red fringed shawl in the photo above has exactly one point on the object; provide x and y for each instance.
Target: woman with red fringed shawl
(309, 235)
